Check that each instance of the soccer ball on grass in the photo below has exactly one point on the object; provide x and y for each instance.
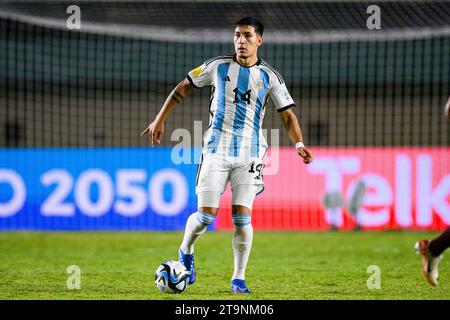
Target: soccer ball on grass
(171, 277)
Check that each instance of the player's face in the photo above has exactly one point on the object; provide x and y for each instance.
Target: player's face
(246, 41)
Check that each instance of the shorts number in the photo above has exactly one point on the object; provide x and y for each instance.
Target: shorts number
(258, 169)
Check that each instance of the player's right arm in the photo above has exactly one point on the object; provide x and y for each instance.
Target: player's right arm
(196, 78)
(156, 128)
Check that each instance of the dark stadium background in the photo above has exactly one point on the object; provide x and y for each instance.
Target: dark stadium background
(77, 100)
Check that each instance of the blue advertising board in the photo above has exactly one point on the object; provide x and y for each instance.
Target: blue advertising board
(95, 189)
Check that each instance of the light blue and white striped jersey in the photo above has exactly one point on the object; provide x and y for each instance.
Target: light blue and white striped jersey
(238, 100)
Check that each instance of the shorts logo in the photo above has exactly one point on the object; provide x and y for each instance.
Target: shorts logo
(196, 72)
(201, 180)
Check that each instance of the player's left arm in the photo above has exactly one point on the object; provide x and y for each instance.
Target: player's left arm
(294, 132)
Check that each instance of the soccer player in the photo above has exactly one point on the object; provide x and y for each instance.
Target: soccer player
(431, 251)
(233, 146)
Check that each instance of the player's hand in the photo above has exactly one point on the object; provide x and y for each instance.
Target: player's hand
(155, 131)
(306, 154)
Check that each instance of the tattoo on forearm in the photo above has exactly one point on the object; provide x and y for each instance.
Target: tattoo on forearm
(175, 96)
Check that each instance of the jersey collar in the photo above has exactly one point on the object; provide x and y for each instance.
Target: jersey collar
(258, 62)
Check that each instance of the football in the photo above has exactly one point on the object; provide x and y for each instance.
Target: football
(171, 277)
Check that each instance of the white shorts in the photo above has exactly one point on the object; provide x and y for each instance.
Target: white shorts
(215, 171)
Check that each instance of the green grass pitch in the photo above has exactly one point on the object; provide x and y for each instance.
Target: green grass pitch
(283, 265)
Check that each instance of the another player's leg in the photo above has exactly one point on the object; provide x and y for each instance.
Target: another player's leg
(439, 244)
(431, 251)
(243, 196)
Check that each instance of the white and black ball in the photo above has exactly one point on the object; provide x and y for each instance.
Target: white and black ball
(171, 277)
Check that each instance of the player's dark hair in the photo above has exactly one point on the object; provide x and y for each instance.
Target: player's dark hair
(255, 23)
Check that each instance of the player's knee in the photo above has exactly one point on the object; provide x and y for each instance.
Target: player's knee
(205, 218)
(209, 210)
(241, 219)
(241, 209)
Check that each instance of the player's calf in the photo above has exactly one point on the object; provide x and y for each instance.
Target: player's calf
(195, 226)
(242, 243)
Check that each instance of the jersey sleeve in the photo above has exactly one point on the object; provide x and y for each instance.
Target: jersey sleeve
(280, 97)
(202, 75)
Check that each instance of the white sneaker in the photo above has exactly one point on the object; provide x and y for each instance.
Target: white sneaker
(430, 263)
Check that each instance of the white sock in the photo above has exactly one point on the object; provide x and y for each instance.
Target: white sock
(242, 243)
(195, 226)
